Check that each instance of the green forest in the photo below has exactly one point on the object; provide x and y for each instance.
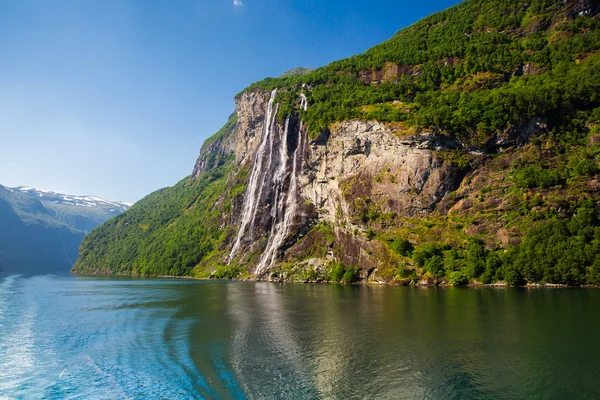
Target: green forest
(470, 73)
(559, 251)
(167, 233)
(465, 72)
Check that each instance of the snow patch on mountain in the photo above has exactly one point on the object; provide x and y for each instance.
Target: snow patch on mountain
(71, 200)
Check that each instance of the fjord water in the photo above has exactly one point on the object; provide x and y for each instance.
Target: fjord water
(127, 338)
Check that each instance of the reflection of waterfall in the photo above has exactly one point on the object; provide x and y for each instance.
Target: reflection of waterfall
(267, 356)
(274, 183)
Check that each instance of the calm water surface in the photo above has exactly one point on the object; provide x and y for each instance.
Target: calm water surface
(119, 339)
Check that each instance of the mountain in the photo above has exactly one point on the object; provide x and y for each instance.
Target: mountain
(464, 149)
(296, 72)
(41, 230)
(82, 213)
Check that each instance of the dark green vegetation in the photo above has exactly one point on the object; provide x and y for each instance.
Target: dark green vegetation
(527, 210)
(557, 251)
(469, 72)
(167, 233)
(530, 216)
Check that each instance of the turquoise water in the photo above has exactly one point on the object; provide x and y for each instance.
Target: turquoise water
(151, 339)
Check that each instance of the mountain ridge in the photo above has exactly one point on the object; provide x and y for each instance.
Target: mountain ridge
(41, 230)
(463, 149)
(69, 199)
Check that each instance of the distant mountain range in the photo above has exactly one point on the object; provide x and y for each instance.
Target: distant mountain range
(41, 230)
(61, 198)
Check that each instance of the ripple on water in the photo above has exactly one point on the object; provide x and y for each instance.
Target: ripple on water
(106, 339)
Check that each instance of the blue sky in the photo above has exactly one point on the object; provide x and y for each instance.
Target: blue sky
(114, 97)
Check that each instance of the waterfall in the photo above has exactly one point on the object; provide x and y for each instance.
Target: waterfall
(284, 212)
(273, 185)
(303, 102)
(301, 143)
(266, 171)
(251, 198)
(280, 210)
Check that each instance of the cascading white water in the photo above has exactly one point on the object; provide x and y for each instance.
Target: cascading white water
(270, 185)
(278, 212)
(302, 143)
(303, 102)
(264, 173)
(251, 198)
(284, 213)
(278, 177)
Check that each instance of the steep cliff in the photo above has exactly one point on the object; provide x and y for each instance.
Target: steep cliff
(445, 152)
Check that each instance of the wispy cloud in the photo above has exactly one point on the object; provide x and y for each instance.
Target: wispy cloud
(238, 3)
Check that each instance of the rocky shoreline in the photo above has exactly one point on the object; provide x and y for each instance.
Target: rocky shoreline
(428, 285)
(442, 283)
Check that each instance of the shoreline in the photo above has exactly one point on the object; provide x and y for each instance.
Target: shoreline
(473, 285)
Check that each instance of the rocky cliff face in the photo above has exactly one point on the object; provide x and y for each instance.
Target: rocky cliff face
(361, 173)
(361, 161)
(584, 7)
(241, 138)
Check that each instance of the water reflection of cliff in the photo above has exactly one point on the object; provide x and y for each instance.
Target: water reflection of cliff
(308, 341)
(129, 338)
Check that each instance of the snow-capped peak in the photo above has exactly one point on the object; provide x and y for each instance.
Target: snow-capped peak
(71, 200)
